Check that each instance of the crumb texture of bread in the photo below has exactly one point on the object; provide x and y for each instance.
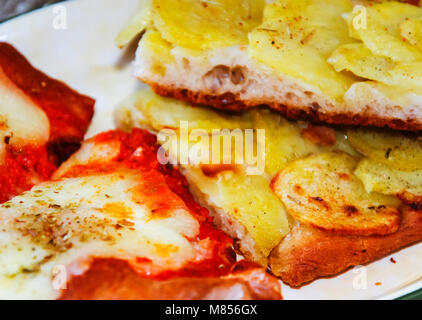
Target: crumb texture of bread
(243, 241)
(231, 81)
(308, 253)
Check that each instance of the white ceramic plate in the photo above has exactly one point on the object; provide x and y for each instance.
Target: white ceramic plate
(84, 56)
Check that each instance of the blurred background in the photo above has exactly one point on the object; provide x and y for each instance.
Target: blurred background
(10, 8)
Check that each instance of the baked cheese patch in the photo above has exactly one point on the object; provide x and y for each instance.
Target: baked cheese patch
(42, 122)
(121, 208)
(67, 222)
(22, 121)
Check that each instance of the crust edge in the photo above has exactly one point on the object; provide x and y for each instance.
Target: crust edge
(309, 254)
(232, 103)
(110, 279)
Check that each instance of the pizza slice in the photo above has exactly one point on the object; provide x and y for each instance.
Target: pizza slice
(42, 122)
(113, 223)
(340, 62)
(327, 198)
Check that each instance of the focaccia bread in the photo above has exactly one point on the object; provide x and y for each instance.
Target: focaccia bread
(327, 199)
(42, 122)
(113, 223)
(339, 62)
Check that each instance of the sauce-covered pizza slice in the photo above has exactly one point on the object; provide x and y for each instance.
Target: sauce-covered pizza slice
(114, 223)
(42, 121)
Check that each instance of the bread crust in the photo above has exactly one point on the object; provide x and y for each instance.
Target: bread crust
(69, 112)
(232, 103)
(308, 253)
(110, 279)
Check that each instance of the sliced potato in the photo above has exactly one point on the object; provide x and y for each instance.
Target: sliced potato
(383, 179)
(322, 191)
(382, 35)
(206, 24)
(210, 132)
(359, 60)
(408, 75)
(283, 141)
(297, 37)
(137, 24)
(394, 149)
(343, 144)
(247, 199)
(411, 30)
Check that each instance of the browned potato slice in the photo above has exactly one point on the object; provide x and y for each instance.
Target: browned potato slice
(394, 149)
(378, 177)
(323, 192)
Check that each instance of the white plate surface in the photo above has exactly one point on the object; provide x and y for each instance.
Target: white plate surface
(84, 56)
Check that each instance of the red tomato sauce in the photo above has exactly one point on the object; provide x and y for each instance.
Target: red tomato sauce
(22, 169)
(221, 257)
(414, 2)
(68, 112)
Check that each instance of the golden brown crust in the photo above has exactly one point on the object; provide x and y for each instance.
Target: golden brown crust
(110, 279)
(308, 253)
(68, 111)
(232, 103)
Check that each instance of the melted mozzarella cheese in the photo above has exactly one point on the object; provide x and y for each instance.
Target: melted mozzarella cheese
(20, 119)
(89, 153)
(62, 225)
